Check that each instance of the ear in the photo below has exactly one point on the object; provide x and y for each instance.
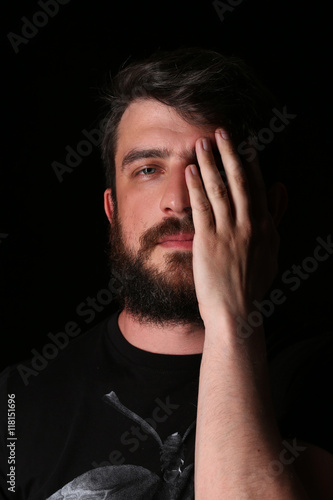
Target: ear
(108, 204)
(277, 199)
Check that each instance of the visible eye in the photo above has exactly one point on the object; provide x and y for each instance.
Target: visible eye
(147, 171)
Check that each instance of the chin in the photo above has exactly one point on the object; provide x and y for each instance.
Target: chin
(179, 266)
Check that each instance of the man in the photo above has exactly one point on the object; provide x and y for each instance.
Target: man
(170, 397)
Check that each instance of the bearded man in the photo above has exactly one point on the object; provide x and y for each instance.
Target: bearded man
(171, 397)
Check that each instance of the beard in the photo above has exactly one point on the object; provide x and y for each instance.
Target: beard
(155, 295)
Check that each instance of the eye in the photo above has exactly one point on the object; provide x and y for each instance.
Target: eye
(147, 171)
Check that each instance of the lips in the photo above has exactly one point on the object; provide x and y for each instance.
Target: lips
(177, 237)
(181, 240)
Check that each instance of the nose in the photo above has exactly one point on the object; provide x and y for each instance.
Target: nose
(175, 198)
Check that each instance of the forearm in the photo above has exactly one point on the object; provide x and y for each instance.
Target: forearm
(237, 437)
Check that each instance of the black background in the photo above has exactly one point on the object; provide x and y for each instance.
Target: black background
(53, 234)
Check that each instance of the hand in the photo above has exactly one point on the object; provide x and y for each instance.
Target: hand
(235, 245)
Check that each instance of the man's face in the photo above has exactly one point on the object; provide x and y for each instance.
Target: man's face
(151, 227)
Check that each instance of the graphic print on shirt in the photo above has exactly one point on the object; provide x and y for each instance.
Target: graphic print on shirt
(132, 482)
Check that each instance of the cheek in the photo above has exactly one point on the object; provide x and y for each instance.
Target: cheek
(136, 216)
(138, 209)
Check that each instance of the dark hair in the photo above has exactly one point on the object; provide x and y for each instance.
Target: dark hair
(204, 87)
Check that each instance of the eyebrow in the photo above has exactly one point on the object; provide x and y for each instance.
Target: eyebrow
(139, 154)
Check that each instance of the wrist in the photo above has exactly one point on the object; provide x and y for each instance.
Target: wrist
(237, 326)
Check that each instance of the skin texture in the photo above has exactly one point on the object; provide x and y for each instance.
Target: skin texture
(145, 200)
(235, 249)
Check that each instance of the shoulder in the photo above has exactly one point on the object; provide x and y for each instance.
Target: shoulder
(58, 362)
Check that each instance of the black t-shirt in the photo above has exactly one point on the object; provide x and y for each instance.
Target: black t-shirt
(106, 420)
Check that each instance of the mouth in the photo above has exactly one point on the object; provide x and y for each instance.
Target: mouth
(182, 241)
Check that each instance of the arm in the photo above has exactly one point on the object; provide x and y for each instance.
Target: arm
(234, 262)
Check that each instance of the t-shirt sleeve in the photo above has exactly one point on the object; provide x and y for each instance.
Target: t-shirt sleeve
(302, 381)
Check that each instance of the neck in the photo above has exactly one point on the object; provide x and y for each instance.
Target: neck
(175, 339)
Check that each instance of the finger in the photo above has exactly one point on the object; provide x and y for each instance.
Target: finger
(239, 191)
(216, 190)
(202, 214)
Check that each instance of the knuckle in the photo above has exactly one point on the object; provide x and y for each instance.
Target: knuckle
(218, 190)
(202, 206)
(248, 235)
(248, 228)
(240, 181)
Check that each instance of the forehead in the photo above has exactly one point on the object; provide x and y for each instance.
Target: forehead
(147, 123)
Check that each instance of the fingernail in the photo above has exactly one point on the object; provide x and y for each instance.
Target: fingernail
(193, 169)
(224, 134)
(205, 144)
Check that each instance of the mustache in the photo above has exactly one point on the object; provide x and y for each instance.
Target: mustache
(168, 227)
